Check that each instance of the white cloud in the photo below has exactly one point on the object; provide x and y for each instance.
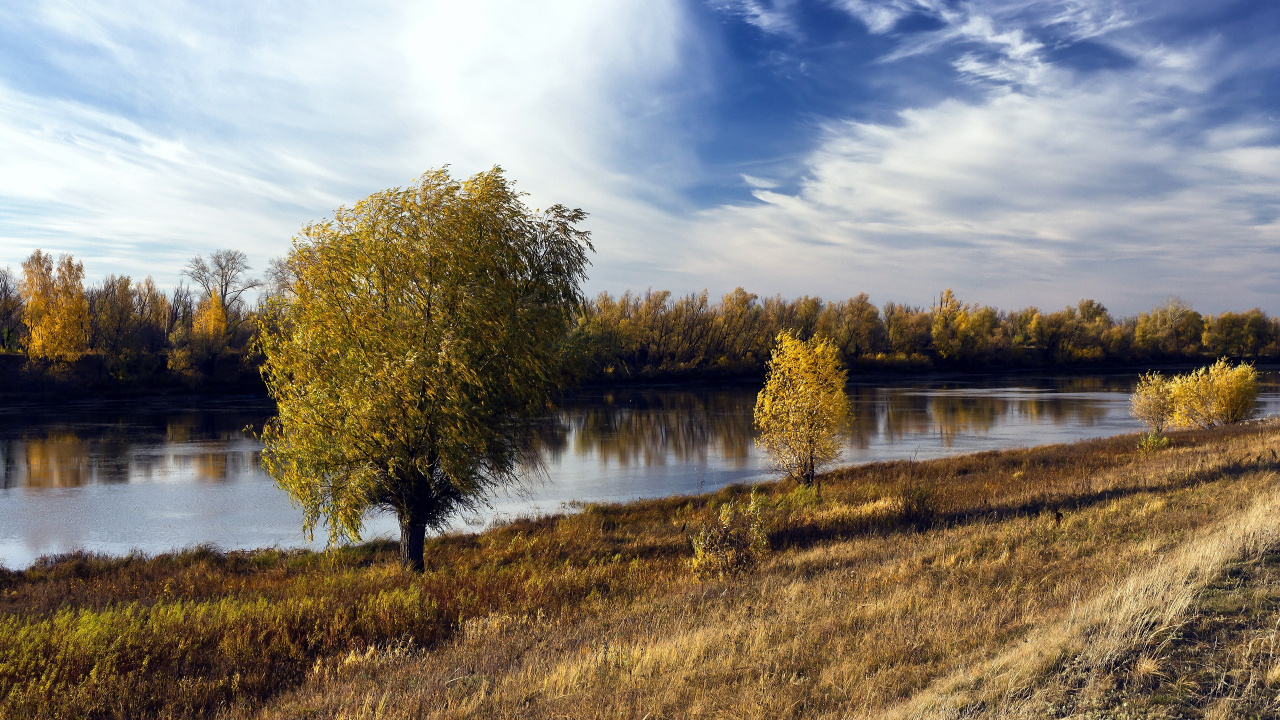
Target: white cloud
(1084, 188)
(187, 128)
(878, 17)
(771, 16)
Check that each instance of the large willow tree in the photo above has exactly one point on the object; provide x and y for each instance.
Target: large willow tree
(419, 331)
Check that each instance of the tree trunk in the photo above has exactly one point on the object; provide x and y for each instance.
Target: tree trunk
(412, 537)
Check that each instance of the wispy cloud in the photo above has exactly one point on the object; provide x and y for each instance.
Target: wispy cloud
(1050, 187)
(1018, 151)
(153, 135)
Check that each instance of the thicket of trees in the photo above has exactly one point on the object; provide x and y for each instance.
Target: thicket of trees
(133, 328)
(657, 334)
(195, 331)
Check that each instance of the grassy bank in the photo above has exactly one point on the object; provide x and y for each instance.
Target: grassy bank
(1043, 582)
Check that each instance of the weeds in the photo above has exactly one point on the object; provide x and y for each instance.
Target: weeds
(916, 505)
(1151, 442)
(732, 541)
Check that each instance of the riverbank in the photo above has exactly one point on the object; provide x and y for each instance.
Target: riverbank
(91, 379)
(1046, 581)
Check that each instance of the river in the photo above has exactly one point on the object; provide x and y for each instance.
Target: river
(158, 474)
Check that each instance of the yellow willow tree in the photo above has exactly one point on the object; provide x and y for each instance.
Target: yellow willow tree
(421, 330)
(1216, 395)
(56, 310)
(803, 406)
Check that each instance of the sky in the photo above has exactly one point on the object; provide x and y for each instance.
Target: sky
(1021, 153)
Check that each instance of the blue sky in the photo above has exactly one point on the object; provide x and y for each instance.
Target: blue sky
(1022, 153)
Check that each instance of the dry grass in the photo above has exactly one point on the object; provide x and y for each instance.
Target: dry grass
(989, 584)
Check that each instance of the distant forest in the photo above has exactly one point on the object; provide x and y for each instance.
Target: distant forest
(657, 334)
(120, 331)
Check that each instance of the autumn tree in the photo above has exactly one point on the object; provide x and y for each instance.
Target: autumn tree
(113, 323)
(1171, 328)
(152, 309)
(196, 349)
(422, 328)
(56, 311)
(803, 406)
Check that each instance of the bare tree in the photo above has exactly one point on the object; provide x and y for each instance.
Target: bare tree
(280, 278)
(181, 309)
(224, 275)
(10, 310)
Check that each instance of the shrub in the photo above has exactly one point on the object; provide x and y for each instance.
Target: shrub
(916, 504)
(1214, 395)
(1152, 402)
(732, 542)
(1152, 442)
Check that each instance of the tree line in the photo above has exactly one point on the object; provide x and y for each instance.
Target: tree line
(658, 334)
(133, 328)
(206, 325)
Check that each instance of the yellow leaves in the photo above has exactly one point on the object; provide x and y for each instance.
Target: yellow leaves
(57, 312)
(803, 406)
(1151, 402)
(418, 324)
(210, 321)
(1215, 395)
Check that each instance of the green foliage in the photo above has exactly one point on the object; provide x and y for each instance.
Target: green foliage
(421, 327)
(733, 540)
(803, 406)
(1151, 442)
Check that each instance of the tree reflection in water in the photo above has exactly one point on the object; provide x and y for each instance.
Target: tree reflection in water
(653, 427)
(630, 428)
(102, 444)
(657, 427)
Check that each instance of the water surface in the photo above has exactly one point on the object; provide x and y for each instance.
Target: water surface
(156, 475)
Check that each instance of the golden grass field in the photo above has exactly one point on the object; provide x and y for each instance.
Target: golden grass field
(1084, 580)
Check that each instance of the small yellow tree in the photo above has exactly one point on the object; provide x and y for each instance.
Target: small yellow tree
(803, 406)
(57, 311)
(209, 326)
(194, 351)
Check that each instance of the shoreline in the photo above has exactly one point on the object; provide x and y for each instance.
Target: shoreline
(15, 386)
